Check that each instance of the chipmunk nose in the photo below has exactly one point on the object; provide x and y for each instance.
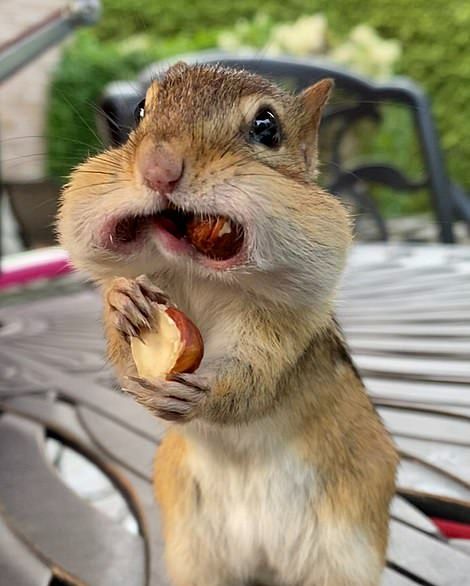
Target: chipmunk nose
(161, 169)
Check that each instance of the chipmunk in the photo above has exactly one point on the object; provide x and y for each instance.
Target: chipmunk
(275, 469)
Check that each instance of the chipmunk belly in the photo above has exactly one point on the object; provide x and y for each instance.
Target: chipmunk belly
(261, 515)
(256, 511)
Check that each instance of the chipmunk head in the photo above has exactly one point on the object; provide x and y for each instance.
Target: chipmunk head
(216, 145)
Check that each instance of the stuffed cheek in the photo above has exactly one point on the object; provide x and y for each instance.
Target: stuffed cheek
(79, 233)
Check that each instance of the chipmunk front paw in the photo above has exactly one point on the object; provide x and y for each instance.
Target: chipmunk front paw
(130, 303)
(175, 399)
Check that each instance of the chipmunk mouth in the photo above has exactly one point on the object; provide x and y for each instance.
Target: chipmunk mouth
(216, 238)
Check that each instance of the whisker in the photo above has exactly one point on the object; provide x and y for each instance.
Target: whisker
(116, 184)
(44, 137)
(76, 110)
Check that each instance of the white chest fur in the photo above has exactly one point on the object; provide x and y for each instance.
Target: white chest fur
(253, 507)
(257, 514)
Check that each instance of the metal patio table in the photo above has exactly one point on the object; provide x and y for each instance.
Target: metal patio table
(405, 310)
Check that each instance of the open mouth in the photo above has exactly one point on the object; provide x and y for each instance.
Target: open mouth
(215, 237)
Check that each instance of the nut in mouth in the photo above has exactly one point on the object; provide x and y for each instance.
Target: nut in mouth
(215, 237)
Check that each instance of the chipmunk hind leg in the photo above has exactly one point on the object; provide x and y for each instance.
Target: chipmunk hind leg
(191, 559)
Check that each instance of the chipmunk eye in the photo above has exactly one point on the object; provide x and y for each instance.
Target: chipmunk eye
(265, 129)
(139, 112)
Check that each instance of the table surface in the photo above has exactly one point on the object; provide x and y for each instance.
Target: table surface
(406, 314)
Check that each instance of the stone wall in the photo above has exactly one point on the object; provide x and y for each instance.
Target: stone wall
(23, 96)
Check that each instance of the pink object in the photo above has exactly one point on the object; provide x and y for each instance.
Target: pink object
(25, 267)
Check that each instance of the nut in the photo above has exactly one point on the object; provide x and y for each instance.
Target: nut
(215, 237)
(176, 346)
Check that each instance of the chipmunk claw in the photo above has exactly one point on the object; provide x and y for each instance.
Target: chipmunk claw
(176, 399)
(130, 304)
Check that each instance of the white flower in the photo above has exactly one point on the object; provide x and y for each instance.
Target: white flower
(363, 35)
(387, 52)
(363, 51)
(228, 41)
(306, 36)
(367, 53)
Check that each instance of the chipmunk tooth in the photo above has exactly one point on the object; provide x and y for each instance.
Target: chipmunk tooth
(226, 228)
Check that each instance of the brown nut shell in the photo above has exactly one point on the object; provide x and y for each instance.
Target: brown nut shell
(192, 343)
(176, 346)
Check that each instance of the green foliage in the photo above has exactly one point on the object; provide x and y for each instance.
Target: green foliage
(434, 37)
(166, 19)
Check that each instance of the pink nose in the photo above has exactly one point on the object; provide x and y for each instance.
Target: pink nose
(161, 169)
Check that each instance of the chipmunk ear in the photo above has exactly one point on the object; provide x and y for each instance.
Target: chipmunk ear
(314, 99)
(316, 96)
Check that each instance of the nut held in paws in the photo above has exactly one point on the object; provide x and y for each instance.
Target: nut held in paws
(177, 346)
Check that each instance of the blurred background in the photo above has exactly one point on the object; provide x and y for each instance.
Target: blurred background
(48, 110)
